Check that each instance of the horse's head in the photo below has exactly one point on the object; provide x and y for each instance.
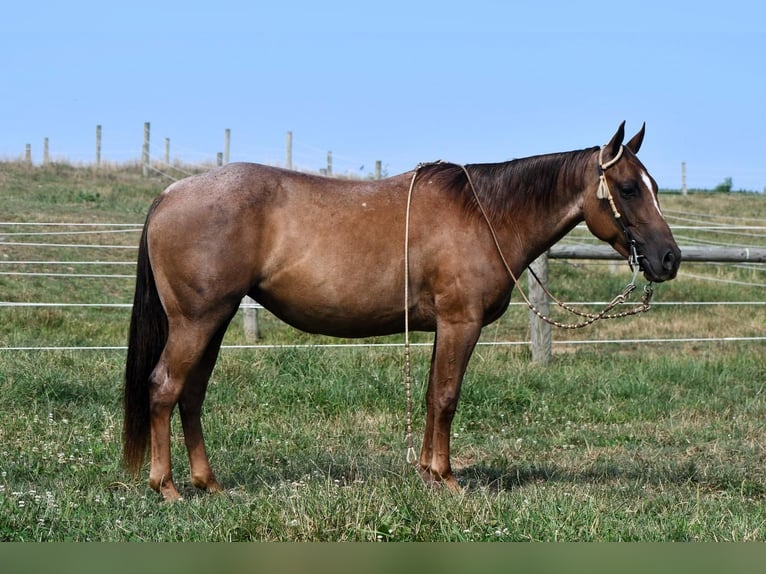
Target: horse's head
(622, 208)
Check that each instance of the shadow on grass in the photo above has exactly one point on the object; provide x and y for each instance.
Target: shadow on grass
(334, 469)
(681, 473)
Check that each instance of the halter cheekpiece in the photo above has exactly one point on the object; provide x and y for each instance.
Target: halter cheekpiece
(603, 192)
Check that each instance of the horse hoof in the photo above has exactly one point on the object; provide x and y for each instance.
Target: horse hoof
(436, 481)
(451, 484)
(208, 484)
(214, 487)
(165, 487)
(171, 495)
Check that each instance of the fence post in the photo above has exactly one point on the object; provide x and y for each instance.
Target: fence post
(28, 154)
(289, 151)
(46, 152)
(98, 145)
(542, 344)
(329, 163)
(378, 169)
(219, 159)
(226, 145)
(145, 151)
(167, 151)
(250, 319)
(684, 191)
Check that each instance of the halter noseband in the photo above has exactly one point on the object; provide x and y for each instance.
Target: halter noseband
(603, 192)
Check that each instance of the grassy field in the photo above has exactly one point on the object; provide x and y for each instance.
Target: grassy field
(643, 441)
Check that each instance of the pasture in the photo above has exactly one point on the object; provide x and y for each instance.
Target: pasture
(642, 440)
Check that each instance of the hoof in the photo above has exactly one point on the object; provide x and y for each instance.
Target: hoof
(214, 487)
(170, 493)
(166, 488)
(438, 481)
(451, 484)
(208, 484)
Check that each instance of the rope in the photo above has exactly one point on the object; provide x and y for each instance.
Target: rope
(68, 224)
(73, 245)
(278, 347)
(80, 275)
(98, 232)
(411, 454)
(603, 191)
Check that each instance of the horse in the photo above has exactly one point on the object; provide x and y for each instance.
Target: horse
(326, 256)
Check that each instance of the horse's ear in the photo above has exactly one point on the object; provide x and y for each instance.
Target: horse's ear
(635, 142)
(613, 147)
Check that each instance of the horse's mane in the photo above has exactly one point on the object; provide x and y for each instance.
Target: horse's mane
(505, 187)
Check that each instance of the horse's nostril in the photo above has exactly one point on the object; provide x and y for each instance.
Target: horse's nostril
(669, 261)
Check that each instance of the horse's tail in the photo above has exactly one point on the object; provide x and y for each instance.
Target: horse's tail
(146, 340)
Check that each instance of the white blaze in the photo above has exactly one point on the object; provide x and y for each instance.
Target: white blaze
(648, 182)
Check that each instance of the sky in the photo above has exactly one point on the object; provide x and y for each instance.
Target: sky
(399, 81)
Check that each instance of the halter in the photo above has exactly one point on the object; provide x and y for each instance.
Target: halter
(603, 192)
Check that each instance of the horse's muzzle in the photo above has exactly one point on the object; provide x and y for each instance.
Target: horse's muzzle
(663, 266)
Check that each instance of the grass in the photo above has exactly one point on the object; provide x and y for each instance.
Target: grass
(579, 451)
(639, 442)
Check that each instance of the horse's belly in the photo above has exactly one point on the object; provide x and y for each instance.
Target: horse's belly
(326, 317)
(340, 304)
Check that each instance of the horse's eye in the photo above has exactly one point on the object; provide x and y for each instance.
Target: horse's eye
(629, 189)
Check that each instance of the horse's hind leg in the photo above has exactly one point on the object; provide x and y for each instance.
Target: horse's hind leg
(182, 375)
(190, 407)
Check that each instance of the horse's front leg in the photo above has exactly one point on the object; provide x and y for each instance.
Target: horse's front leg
(452, 349)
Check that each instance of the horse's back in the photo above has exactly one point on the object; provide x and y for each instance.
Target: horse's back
(247, 188)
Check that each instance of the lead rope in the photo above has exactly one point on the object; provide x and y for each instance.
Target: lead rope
(411, 454)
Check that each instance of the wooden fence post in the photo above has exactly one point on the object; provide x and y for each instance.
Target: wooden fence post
(98, 145)
(289, 151)
(250, 319)
(540, 336)
(145, 150)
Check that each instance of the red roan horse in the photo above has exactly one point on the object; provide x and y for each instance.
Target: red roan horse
(326, 256)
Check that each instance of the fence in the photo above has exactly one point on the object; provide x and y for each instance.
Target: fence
(541, 336)
(166, 167)
(162, 164)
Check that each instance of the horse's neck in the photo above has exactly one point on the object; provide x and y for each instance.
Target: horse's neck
(546, 230)
(536, 226)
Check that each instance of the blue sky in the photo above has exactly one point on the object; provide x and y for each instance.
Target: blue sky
(396, 81)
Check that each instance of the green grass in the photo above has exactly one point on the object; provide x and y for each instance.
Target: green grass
(309, 445)
(640, 442)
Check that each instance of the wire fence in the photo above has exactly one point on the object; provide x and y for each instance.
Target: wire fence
(85, 238)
